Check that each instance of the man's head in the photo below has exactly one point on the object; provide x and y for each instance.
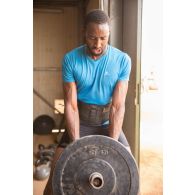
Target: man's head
(97, 32)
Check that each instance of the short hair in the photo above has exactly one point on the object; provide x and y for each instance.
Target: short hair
(96, 16)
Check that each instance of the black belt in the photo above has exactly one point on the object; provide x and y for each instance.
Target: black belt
(94, 115)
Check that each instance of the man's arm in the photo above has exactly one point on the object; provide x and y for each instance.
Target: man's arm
(71, 110)
(117, 109)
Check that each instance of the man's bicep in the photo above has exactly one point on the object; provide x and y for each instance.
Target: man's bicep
(67, 70)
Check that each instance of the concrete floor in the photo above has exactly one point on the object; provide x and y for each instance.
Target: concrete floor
(151, 144)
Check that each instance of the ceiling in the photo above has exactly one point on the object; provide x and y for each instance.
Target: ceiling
(57, 2)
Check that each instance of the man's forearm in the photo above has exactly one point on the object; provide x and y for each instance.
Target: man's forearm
(72, 121)
(116, 121)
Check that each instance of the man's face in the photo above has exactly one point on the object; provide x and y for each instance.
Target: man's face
(97, 36)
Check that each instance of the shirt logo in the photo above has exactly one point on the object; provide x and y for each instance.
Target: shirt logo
(106, 74)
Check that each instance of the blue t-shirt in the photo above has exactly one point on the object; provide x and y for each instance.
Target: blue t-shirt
(95, 79)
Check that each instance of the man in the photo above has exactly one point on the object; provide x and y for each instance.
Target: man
(95, 79)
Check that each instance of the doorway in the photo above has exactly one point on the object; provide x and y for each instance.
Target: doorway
(151, 142)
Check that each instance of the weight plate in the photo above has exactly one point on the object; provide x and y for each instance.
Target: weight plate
(95, 165)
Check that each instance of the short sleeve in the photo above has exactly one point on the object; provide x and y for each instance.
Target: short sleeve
(125, 68)
(67, 70)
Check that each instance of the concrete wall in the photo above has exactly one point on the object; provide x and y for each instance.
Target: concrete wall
(54, 34)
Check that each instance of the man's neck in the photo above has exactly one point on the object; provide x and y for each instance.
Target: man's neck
(95, 57)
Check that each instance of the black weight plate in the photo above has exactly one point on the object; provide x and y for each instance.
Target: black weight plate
(91, 154)
(90, 166)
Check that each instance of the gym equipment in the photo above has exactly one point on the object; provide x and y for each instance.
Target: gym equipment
(41, 147)
(43, 124)
(42, 169)
(43, 163)
(53, 108)
(95, 165)
(46, 151)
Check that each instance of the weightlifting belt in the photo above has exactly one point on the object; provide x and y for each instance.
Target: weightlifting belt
(93, 115)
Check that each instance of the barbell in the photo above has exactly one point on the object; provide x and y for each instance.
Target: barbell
(95, 165)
